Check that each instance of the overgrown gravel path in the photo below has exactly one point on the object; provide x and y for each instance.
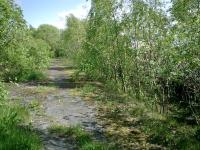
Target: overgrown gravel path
(51, 103)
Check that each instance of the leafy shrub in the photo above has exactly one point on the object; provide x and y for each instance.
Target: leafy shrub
(3, 92)
(144, 52)
(21, 54)
(171, 134)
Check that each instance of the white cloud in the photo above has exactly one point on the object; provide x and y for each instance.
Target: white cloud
(80, 11)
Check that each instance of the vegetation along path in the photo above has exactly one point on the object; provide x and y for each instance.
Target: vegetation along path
(51, 105)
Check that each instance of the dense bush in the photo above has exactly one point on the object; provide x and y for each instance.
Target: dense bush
(50, 34)
(138, 47)
(73, 36)
(20, 53)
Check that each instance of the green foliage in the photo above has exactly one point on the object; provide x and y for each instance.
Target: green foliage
(50, 34)
(19, 139)
(10, 20)
(161, 130)
(150, 53)
(3, 93)
(171, 134)
(95, 146)
(21, 54)
(36, 76)
(73, 36)
(77, 133)
(23, 62)
(39, 52)
(14, 137)
(82, 138)
(135, 47)
(18, 60)
(88, 89)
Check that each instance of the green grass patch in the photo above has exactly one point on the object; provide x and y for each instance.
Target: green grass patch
(44, 89)
(80, 137)
(88, 90)
(34, 104)
(131, 123)
(171, 134)
(36, 76)
(17, 138)
(67, 62)
(13, 135)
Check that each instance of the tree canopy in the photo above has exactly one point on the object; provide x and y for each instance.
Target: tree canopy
(49, 34)
(17, 59)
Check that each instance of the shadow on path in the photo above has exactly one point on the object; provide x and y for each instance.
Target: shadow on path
(58, 78)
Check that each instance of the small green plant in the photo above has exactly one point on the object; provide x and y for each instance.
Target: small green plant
(35, 104)
(170, 134)
(36, 76)
(76, 133)
(96, 146)
(58, 130)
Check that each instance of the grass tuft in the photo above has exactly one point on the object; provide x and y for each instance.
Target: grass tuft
(13, 135)
(37, 76)
(79, 137)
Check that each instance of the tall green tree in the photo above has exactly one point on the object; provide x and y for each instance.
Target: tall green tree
(73, 36)
(50, 34)
(138, 48)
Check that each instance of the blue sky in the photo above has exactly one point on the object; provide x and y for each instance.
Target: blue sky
(54, 12)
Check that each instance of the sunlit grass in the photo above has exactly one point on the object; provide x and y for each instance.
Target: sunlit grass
(79, 137)
(131, 123)
(15, 135)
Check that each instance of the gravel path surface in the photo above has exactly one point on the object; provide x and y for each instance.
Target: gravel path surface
(51, 103)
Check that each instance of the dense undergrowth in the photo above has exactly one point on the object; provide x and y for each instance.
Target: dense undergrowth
(131, 124)
(146, 56)
(149, 51)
